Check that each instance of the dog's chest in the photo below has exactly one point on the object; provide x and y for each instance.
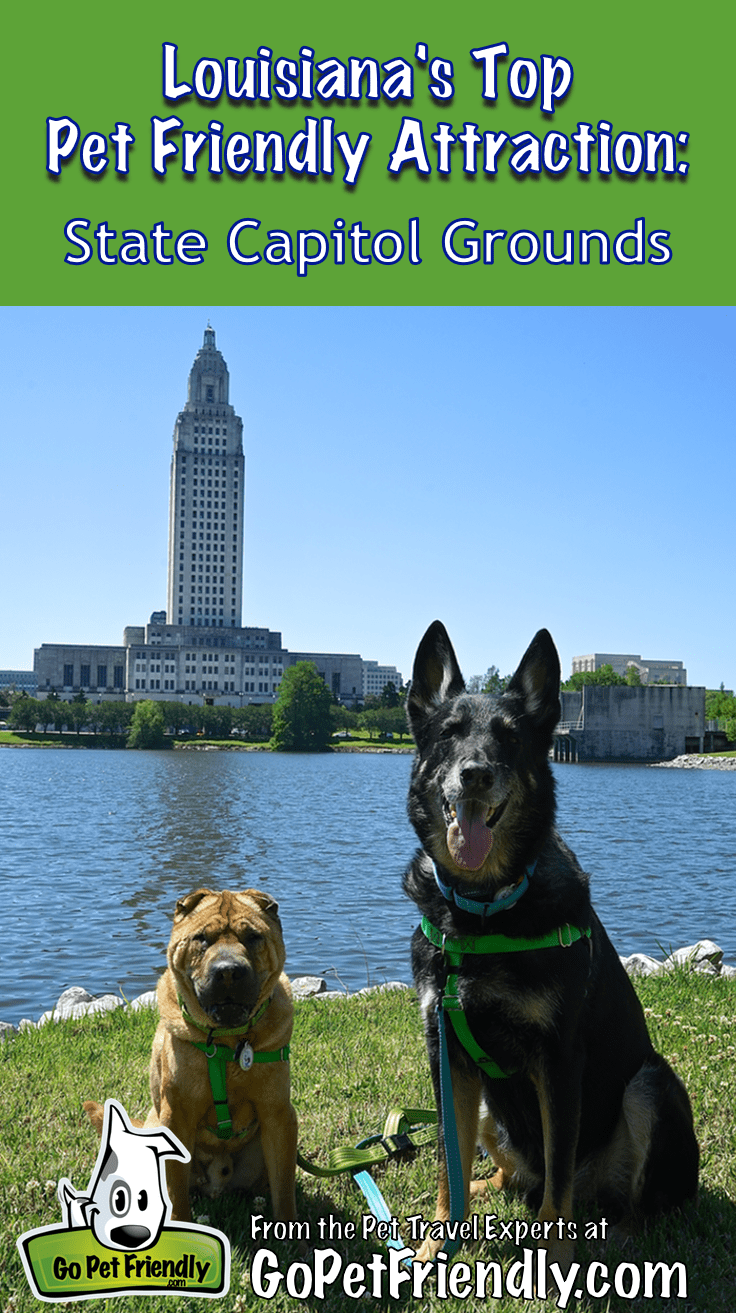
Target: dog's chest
(496, 1001)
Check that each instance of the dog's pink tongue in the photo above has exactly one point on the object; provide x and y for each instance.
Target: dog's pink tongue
(468, 837)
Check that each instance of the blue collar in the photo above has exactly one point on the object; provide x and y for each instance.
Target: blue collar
(502, 901)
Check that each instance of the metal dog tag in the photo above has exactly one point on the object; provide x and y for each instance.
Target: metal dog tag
(245, 1058)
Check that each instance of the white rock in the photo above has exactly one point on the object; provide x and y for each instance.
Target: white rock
(147, 1000)
(76, 1002)
(704, 951)
(307, 986)
(640, 964)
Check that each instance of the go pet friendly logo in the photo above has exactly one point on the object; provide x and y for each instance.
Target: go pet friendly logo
(115, 1239)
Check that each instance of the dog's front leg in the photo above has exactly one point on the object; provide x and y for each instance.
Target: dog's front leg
(278, 1140)
(558, 1087)
(466, 1104)
(178, 1174)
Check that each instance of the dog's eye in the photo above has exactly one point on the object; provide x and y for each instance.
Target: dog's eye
(143, 1200)
(200, 938)
(252, 938)
(505, 733)
(450, 729)
(119, 1199)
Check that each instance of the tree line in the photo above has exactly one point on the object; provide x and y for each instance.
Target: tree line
(304, 717)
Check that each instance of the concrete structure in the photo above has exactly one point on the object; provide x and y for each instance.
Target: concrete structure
(69, 669)
(375, 678)
(21, 681)
(197, 650)
(650, 672)
(617, 723)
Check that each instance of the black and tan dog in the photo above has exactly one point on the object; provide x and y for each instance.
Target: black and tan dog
(552, 1066)
(225, 992)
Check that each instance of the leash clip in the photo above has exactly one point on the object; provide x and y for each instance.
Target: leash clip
(560, 937)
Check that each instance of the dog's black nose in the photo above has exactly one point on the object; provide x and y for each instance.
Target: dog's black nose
(476, 776)
(132, 1237)
(229, 972)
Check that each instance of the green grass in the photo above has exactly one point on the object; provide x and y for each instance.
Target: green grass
(37, 739)
(352, 1060)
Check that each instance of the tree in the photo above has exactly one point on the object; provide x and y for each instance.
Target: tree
(176, 715)
(492, 682)
(301, 714)
(78, 713)
(47, 709)
(369, 719)
(605, 675)
(721, 706)
(114, 718)
(147, 726)
(343, 718)
(389, 696)
(24, 715)
(633, 676)
(254, 721)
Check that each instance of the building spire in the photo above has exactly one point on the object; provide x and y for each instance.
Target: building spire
(209, 337)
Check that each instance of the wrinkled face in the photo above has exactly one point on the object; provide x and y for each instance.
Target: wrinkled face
(225, 950)
(481, 779)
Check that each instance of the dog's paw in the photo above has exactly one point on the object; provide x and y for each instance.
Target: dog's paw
(428, 1251)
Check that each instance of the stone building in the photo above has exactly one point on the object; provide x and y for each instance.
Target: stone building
(650, 672)
(618, 723)
(198, 650)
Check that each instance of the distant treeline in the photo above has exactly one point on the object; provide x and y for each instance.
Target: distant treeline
(252, 723)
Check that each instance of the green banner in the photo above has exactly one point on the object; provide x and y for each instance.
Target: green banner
(400, 154)
(66, 1264)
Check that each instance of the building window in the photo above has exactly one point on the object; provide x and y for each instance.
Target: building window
(118, 678)
(84, 676)
(68, 676)
(102, 676)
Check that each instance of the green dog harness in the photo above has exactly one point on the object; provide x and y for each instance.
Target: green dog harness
(454, 950)
(218, 1056)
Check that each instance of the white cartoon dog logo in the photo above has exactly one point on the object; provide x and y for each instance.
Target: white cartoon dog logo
(126, 1204)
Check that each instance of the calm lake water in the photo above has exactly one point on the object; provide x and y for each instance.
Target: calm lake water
(97, 846)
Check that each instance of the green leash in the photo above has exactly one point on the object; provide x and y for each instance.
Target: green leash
(404, 1129)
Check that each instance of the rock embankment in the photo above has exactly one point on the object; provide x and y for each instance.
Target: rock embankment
(77, 1002)
(694, 761)
(705, 957)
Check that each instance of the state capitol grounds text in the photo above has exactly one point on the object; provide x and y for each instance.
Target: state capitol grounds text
(463, 242)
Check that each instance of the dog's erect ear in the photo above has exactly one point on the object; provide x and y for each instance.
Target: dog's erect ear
(537, 681)
(266, 903)
(436, 674)
(188, 903)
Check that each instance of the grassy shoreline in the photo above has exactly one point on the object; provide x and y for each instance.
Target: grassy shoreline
(353, 1059)
(358, 743)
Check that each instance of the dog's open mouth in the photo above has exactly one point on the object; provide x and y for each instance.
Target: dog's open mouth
(470, 833)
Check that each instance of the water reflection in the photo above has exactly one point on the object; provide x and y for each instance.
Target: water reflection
(97, 847)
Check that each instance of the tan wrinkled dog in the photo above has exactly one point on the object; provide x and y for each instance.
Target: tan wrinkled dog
(225, 987)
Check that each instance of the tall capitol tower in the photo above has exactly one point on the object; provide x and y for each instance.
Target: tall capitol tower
(196, 651)
(205, 585)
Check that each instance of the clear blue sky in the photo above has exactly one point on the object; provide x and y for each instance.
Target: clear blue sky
(501, 469)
